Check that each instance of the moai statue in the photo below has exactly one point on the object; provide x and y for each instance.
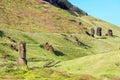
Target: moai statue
(46, 46)
(22, 53)
(92, 32)
(110, 33)
(49, 47)
(99, 31)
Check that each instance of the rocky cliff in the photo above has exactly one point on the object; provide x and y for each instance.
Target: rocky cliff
(65, 4)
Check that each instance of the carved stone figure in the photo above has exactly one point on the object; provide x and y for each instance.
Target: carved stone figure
(92, 32)
(22, 53)
(110, 33)
(99, 31)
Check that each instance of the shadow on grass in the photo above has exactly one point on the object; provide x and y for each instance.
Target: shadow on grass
(114, 36)
(1, 33)
(83, 45)
(59, 53)
(37, 60)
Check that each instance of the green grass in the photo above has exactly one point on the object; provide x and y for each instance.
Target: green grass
(99, 65)
(22, 72)
(98, 54)
(40, 23)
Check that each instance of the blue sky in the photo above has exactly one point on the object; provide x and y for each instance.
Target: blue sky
(107, 10)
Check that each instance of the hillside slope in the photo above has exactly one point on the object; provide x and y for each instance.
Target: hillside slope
(34, 16)
(66, 5)
(38, 22)
(100, 65)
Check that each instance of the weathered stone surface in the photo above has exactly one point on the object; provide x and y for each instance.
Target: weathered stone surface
(66, 5)
(49, 47)
(110, 32)
(46, 46)
(22, 49)
(92, 32)
(22, 53)
(21, 61)
(99, 31)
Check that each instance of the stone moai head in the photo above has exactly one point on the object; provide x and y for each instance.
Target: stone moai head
(92, 32)
(110, 33)
(99, 31)
(49, 47)
(46, 46)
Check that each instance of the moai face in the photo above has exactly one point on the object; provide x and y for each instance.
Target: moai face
(99, 31)
(22, 49)
(110, 33)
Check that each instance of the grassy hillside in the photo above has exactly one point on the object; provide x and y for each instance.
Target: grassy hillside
(97, 49)
(38, 23)
(34, 16)
(100, 65)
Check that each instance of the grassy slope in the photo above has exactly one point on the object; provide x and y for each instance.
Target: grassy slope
(28, 16)
(100, 65)
(39, 23)
(38, 57)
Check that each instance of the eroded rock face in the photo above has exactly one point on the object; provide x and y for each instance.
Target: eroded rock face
(59, 3)
(65, 4)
